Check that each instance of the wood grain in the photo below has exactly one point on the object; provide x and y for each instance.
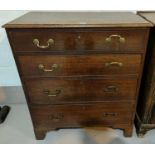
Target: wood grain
(80, 65)
(91, 94)
(58, 116)
(79, 40)
(78, 19)
(75, 90)
(146, 106)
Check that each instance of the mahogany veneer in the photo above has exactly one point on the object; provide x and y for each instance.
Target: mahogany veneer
(80, 68)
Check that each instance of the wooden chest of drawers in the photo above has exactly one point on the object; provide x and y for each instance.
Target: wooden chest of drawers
(145, 116)
(80, 68)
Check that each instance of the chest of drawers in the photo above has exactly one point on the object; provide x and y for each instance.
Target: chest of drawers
(80, 68)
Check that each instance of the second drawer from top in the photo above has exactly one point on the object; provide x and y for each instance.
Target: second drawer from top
(77, 65)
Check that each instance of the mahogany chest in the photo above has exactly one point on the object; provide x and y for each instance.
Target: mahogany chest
(80, 69)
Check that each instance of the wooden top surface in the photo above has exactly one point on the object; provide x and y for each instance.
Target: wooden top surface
(148, 15)
(78, 19)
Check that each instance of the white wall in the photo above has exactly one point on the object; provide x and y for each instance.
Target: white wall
(8, 71)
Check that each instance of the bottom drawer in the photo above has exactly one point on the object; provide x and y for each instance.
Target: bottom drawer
(61, 116)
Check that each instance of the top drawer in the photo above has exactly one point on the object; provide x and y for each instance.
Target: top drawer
(71, 40)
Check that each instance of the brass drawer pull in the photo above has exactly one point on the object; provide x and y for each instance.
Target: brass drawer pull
(111, 89)
(52, 94)
(121, 39)
(53, 67)
(106, 114)
(119, 64)
(37, 43)
(56, 117)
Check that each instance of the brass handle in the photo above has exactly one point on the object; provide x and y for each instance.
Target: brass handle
(106, 114)
(107, 64)
(56, 117)
(52, 94)
(53, 67)
(121, 39)
(111, 89)
(37, 43)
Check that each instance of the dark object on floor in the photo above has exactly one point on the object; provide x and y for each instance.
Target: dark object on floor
(3, 113)
(145, 118)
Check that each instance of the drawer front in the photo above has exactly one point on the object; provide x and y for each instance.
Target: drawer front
(81, 115)
(46, 40)
(61, 91)
(111, 64)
